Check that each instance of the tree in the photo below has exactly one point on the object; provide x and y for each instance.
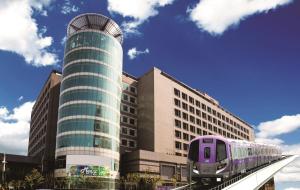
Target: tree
(34, 179)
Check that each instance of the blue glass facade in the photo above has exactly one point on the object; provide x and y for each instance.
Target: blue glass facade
(89, 108)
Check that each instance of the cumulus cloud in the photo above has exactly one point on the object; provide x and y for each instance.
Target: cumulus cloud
(138, 11)
(20, 34)
(283, 125)
(133, 52)
(68, 8)
(14, 128)
(269, 131)
(216, 16)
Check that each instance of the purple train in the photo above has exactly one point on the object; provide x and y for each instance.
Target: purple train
(215, 158)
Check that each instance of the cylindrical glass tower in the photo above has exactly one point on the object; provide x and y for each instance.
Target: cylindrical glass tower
(87, 142)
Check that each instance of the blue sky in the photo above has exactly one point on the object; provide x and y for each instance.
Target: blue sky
(243, 53)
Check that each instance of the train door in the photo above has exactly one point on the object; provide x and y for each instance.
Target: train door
(207, 151)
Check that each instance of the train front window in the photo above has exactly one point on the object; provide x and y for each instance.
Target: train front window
(221, 151)
(194, 151)
(206, 152)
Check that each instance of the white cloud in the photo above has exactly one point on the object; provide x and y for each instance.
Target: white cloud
(68, 8)
(292, 188)
(20, 34)
(63, 40)
(216, 16)
(14, 129)
(269, 132)
(133, 52)
(283, 125)
(137, 10)
(20, 98)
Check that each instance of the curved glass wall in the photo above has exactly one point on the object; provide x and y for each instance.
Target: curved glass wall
(89, 112)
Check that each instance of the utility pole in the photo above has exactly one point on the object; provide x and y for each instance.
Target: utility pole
(4, 168)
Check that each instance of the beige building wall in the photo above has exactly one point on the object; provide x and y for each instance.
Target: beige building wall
(200, 114)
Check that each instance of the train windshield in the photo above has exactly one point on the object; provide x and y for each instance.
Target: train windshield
(221, 151)
(194, 151)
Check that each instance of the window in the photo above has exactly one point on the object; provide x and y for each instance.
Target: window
(125, 119)
(185, 106)
(131, 144)
(124, 142)
(132, 121)
(178, 145)
(185, 116)
(178, 134)
(192, 119)
(133, 89)
(203, 115)
(191, 100)
(198, 131)
(198, 113)
(132, 132)
(203, 106)
(214, 112)
(207, 152)
(124, 130)
(192, 128)
(208, 109)
(177, 113)
(192, 137)
(177, 102)
(198, 122)
(198, 104)
(192, 110)
(132, 100)
(194, 151)
(177, 123)
(185, 146)
(185, 126)
(125, 108)
(125, 97)
(132, 110)
(185, 136)
(184, 96)
(176, 92)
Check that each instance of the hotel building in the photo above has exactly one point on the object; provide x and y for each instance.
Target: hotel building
(43, 123)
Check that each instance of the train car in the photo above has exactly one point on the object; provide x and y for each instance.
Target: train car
(215, 158)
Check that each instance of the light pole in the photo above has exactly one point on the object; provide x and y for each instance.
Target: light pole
(4, 168)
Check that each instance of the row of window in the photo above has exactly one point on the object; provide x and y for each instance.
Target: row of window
(181, 146)
(87, 140)
(128, 131)
(88, 125)
(93, 54)
(128, 120)
(92, 81)
(91, 67)
(128, 143)
(198, 104)
(128, 98)
(90, 95)
(198, 131)
(128, 109)
(194, 120)
(93, 39)
(90, 110)
(129, 88)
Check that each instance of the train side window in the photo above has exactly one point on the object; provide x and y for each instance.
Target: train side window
(194, 151)
(221, 151)
(206, 152)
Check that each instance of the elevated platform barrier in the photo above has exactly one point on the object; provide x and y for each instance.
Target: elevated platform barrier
(252, 180)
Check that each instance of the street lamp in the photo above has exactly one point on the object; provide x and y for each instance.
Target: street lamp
(4, 168)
